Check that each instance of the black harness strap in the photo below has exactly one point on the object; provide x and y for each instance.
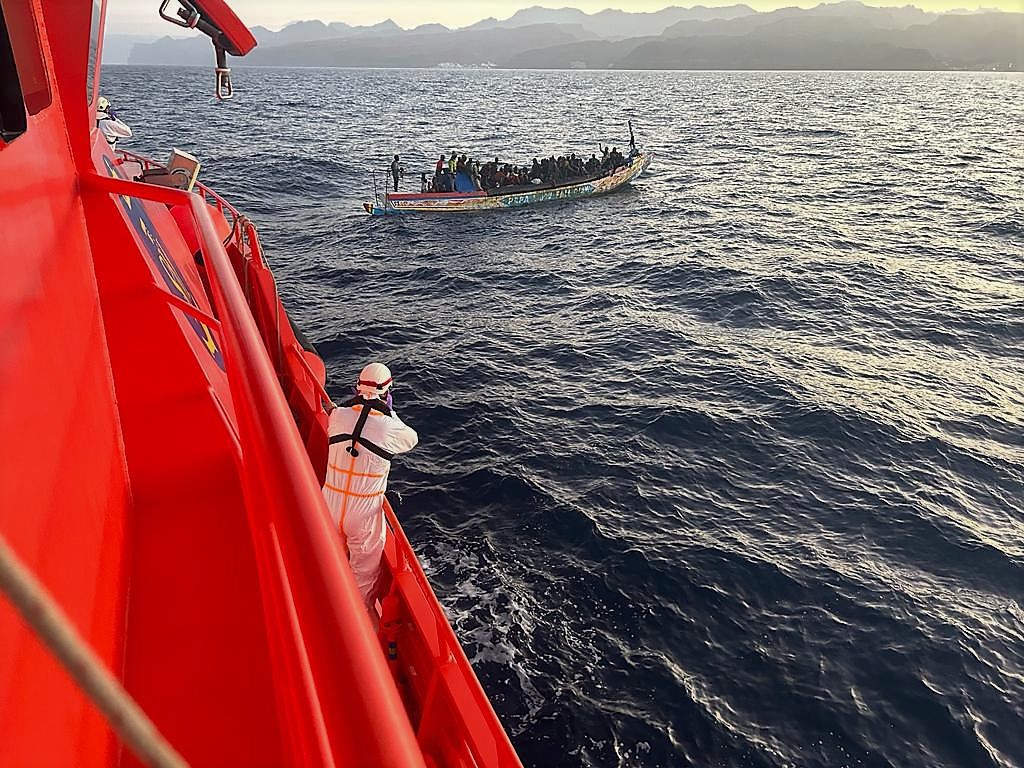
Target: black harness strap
(363, 443)
(356, 435)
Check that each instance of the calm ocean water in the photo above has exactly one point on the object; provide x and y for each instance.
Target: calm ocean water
(726, 469)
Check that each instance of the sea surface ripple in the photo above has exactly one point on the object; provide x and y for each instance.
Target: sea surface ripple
(725, 469)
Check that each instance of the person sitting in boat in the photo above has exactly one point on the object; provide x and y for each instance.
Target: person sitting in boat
(447, 182)
(365, 435)
(111, 128)
(593, 165)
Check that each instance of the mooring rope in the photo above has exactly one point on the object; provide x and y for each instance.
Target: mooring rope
(41, 612)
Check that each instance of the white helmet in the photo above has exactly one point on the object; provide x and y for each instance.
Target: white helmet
(374, 381)
(103, 105)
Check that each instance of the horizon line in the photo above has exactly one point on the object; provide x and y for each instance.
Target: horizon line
(113, 27)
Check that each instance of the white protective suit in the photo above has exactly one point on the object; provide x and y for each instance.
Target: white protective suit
(112, 128)
(355, 486)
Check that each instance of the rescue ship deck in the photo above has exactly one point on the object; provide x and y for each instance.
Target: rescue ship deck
(166, 498)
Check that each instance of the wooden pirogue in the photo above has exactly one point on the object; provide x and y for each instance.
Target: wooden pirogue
(515, 197)
(164, 430)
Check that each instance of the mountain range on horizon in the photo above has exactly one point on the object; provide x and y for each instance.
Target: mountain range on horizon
(842, 35)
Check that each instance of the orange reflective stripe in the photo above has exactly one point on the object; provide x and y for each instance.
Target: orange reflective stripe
(359, 408)
(346, 492)
(356, 474)
(364, 495)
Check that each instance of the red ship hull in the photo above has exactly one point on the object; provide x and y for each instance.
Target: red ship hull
(163, 432)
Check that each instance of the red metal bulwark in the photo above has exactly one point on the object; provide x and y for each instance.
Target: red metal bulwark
(161, 491)
(452, 716)
(453, 719)
(334, 697)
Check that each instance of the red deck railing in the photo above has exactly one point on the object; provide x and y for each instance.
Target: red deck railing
(303, 387)
(451, 713)
(335, 694)
(453, 720)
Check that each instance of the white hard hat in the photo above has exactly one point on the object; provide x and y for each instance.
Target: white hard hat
(103, 105)
(374, 381)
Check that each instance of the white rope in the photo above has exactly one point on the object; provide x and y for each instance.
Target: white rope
(41, 612)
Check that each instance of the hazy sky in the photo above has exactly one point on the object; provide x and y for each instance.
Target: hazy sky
(141, 16)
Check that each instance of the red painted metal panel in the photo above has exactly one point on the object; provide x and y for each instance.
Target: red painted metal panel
(196, 638)
(454, 720)
(64, 491)
(28, 54)
(357, 701)
(244, 636)
(65, 32)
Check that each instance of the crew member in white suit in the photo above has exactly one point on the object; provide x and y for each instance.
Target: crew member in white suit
(111, 128)
(365, 434)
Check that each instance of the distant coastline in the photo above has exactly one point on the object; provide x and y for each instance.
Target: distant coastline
(839, 36)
